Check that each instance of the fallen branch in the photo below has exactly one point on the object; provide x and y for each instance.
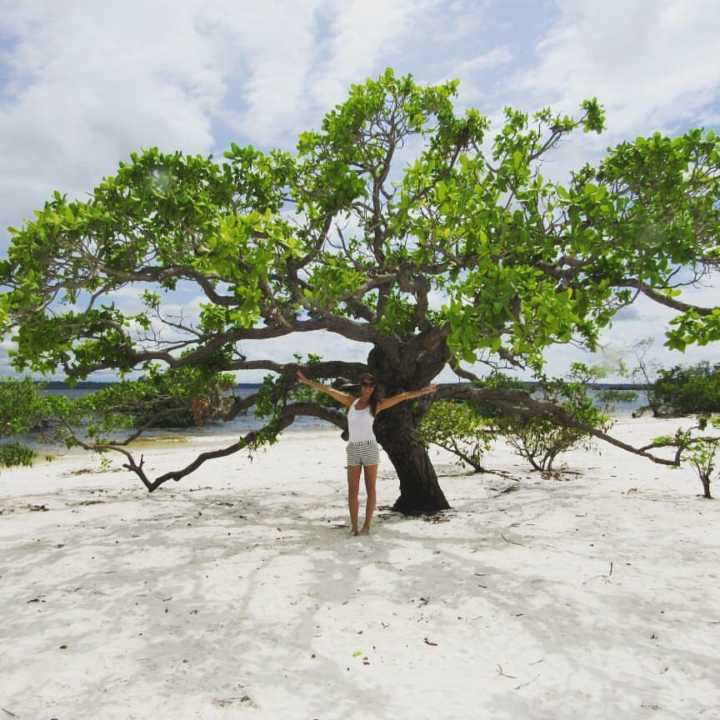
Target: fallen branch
(522, 685)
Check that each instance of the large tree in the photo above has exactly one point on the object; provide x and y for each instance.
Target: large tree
(401, 223)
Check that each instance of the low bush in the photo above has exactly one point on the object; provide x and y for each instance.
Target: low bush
(695, 448)
(541, 439)
(22, 406)
(686, 390)
(608, 399)
(183, 397)
(458, 428)
(15, 453)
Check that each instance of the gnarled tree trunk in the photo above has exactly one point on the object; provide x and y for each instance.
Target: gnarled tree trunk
(420, 491)
(396, 428)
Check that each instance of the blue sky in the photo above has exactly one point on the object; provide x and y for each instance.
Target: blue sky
(82, 84)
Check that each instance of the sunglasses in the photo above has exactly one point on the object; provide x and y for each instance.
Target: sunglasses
(366, 383)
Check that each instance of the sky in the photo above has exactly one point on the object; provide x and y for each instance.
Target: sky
(83, 84)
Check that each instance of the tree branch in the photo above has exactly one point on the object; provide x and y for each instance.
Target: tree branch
(340, 326)
(519, 402)
(330, 368)
(670, 302)
(251, 439)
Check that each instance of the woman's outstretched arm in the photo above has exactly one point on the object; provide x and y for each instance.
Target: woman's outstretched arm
(402, 397)
(341, 397)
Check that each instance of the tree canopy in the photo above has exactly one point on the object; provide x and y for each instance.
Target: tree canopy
(401, 222)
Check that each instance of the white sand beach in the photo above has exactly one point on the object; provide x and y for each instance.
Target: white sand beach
(239, 592)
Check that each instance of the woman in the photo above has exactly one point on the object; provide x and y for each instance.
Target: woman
(362, 448)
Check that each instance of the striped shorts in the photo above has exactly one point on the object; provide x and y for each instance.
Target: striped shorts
(365, 452)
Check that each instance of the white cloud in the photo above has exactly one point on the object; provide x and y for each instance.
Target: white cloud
(91, 82)
(96, 79)
(269, 50)
(365, 34)
(497, 56)
(472, 73)
(653, 63)
(88, 82)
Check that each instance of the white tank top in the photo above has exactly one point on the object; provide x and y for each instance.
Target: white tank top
(360, 424)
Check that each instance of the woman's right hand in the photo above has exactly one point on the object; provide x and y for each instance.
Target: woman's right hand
(301, 377)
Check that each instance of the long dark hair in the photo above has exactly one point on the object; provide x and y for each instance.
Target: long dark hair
(366, 379)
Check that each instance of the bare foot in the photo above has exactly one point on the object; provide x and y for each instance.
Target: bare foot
(364, 531)
(354, 531)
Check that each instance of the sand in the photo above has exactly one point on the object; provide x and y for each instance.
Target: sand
(239, 592)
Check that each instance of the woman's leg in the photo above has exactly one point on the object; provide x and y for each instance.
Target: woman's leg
(353, 478)
(370, 482)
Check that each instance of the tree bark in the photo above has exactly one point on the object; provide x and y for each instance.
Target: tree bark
(420, 360)
(420, 491)
(706, 486)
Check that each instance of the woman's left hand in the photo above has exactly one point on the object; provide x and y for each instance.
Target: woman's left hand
(431, 389)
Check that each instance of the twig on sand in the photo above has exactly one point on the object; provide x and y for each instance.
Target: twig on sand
(508, 489)
(11, 714)
(512, 542)
(503, 474)
(604, 577)
(504, 674)
(522, 685)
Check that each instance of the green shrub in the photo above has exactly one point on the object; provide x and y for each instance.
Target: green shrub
(183, 397)
(686, 390)
(22, 407)
(541, 439)
(608, 399)
(458, 428)
(701, 455)
(14, 453)
(697, 450)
